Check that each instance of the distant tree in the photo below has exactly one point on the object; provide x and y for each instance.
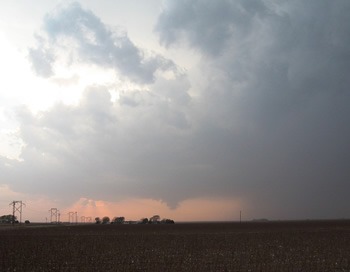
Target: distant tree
(7, 219)
(167, 221)
(105, 220)
(144, 221)
(27, 222)
(154, 219)
(97, 220)
(118, 220)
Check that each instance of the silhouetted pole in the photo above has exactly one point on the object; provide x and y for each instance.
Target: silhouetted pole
(240, 216)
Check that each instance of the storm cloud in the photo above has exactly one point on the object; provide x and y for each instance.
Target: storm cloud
(279, 86)
(266, 122)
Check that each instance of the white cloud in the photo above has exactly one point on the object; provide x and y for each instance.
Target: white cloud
(97, 145)
(89, 40)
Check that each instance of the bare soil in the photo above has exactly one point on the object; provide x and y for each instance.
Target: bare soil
(249, 246)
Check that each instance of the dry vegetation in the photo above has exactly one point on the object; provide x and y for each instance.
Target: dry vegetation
(268, 246)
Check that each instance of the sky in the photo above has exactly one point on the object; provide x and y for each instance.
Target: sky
(191, 109)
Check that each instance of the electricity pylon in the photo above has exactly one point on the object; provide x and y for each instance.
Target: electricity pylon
(71, 217)
(54, 216)
(17, 207)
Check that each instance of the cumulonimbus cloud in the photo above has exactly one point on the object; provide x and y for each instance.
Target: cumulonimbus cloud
(277, 85)
(268, 122)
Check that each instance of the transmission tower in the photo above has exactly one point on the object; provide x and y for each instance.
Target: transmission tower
(71, 217)
(17, 208)
(54, 215)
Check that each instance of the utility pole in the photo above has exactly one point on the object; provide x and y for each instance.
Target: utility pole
(54, 215)
(17, 207)
(240, 216)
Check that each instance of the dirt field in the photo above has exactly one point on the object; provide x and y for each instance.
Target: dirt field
(265, 246)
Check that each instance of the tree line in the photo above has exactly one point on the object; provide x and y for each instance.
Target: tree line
(155, 219)
(10, 219)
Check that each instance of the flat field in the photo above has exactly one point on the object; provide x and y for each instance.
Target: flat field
(249, 246)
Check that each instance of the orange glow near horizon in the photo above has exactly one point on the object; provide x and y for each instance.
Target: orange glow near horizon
(199, 209)
(196, 209)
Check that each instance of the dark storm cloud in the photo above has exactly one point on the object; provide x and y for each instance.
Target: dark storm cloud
(80, 32)
(269, 124)
(208, 24)
(275, 110)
